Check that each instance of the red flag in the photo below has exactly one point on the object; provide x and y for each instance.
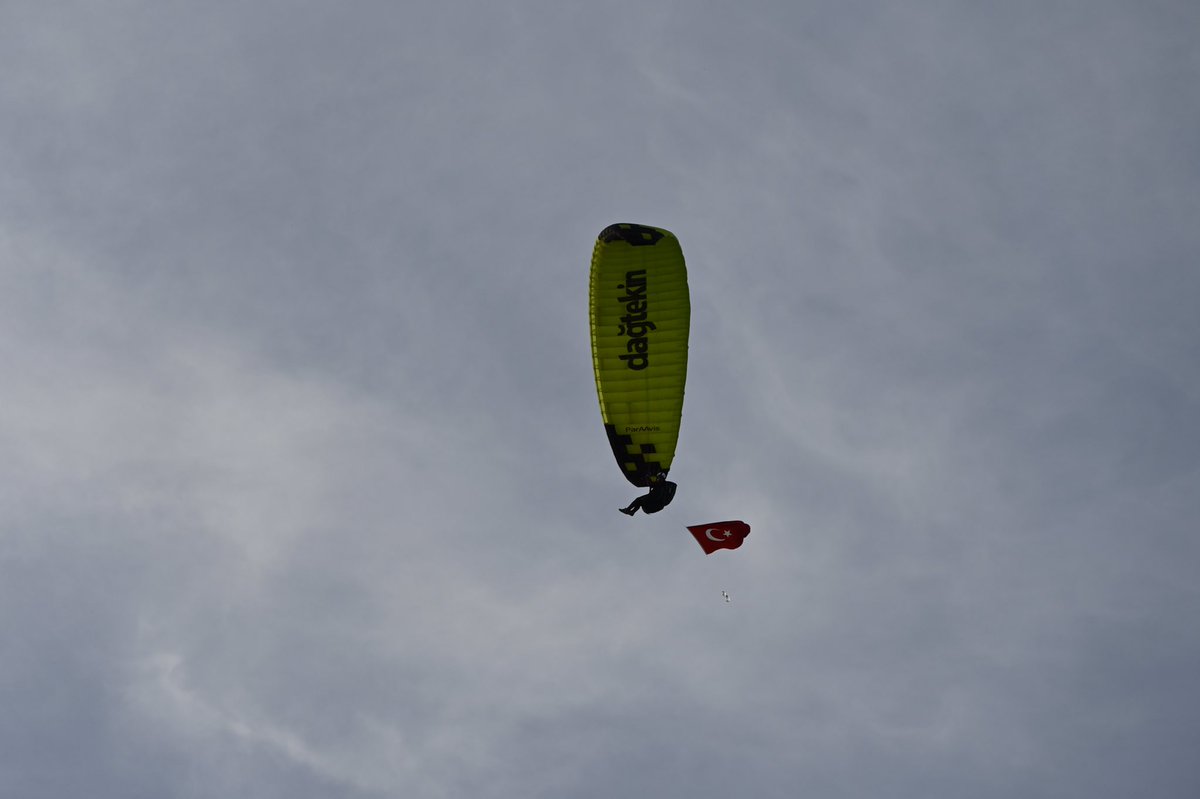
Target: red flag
(720, 535)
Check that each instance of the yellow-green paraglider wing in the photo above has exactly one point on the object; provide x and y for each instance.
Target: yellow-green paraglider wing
(640, 313)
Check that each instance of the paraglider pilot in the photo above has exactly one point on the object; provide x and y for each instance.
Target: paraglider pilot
(662, 491)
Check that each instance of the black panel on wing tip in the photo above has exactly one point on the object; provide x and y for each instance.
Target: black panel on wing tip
(635, 235)
(636, 468)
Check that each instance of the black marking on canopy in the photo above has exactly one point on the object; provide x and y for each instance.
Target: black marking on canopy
(634, 235)
(636, 467)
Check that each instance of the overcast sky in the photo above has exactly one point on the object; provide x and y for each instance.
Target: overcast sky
(303, 486)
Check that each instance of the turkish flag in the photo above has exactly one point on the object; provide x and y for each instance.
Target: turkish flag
(720, 535)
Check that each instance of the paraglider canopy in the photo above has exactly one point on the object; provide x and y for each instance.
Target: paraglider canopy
(640, 312)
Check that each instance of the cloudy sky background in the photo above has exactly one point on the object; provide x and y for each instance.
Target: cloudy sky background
(304, 491)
